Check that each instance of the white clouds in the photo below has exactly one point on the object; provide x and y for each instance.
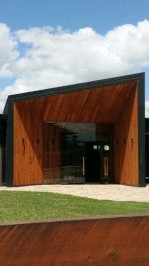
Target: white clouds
(147, 109)
(57, 57)
(130, 43)
(8, 50)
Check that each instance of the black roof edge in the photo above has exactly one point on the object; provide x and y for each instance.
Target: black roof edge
(75, 87)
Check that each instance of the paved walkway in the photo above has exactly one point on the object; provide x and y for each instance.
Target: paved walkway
(107, 192)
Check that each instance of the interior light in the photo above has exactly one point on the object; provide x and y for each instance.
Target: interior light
(106, 147)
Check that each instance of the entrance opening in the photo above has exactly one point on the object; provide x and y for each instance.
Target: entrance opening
(77, 153)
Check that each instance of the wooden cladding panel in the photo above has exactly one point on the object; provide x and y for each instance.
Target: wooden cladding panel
(101, 241)
(95, 105)
(27, 148)
(126, 142)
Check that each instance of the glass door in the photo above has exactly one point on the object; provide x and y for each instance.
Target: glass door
(71, 158)
(97, 161)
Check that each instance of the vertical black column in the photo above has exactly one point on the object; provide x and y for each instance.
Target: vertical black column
(9, 146)
(141, 129)
(3, 128)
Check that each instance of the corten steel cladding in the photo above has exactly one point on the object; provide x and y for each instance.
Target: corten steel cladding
(98, 241)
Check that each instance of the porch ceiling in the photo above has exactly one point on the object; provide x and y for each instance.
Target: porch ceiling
(101, 105)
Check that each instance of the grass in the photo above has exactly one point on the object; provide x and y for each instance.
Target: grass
(21, 206)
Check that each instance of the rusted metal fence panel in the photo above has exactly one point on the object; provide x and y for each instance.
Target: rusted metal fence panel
(82, 242)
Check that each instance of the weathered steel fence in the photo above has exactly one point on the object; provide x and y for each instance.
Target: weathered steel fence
(94, 241)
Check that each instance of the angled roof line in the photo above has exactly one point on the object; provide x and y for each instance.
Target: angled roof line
(75, 87)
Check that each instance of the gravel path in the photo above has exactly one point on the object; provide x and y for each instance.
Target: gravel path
(107, 192)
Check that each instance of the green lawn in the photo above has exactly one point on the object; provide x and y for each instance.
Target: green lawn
(20, 206)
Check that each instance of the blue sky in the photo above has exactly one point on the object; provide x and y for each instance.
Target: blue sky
(101, 15)
(28, 28)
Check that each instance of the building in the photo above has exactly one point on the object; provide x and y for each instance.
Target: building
(147, 149)
(92, 132)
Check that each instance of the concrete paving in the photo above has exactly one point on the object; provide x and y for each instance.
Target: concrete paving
(100, 192)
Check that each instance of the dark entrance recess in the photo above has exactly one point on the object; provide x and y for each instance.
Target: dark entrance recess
(97, 161)
(78, 153)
